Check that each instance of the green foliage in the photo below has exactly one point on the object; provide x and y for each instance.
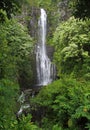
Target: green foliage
(25, 124)
(11, 6)
(9, 108)
(80, 8)
(48, 124)
(51, 7)
(8, 96)
(3, 16)
(65, 102)
(56, 127)
(71, 41)
(16, 47)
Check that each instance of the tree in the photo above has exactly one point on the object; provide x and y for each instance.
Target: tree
(12, 6)
(80, 8)
(65, 103)
(71, 42)
(8, 97)
(16, 49)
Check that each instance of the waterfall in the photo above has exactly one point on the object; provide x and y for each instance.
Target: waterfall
(44, 66)
(23, 106)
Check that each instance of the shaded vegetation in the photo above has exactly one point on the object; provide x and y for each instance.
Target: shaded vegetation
(72, 47)
(12, 6)
(65, 103)
(80, 8)
(16, 47)
(8, 96)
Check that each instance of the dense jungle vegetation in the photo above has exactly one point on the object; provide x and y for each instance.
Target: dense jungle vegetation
(65, 103)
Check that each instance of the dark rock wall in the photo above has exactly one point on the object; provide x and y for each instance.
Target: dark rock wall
(34, 14)
(30, 17)
(63, 8)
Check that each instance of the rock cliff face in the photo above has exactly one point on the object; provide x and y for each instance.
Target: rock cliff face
(34, 14)
(30, 17)
(63, 8)
(34, 32)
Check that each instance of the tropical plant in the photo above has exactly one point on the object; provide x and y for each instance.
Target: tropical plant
(16, 48)
(8, 97)
(80, 8)
(65, 104)
(26, 124)
(12, 6)
(71, 42)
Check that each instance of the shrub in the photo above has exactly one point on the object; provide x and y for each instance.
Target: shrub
(72, 47)
(16, 50)
(8, 97)
(26, 124)
(66, 103)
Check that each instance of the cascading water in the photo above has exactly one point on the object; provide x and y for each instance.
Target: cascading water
(44, 66)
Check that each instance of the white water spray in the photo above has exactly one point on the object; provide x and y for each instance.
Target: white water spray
(45, 68)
